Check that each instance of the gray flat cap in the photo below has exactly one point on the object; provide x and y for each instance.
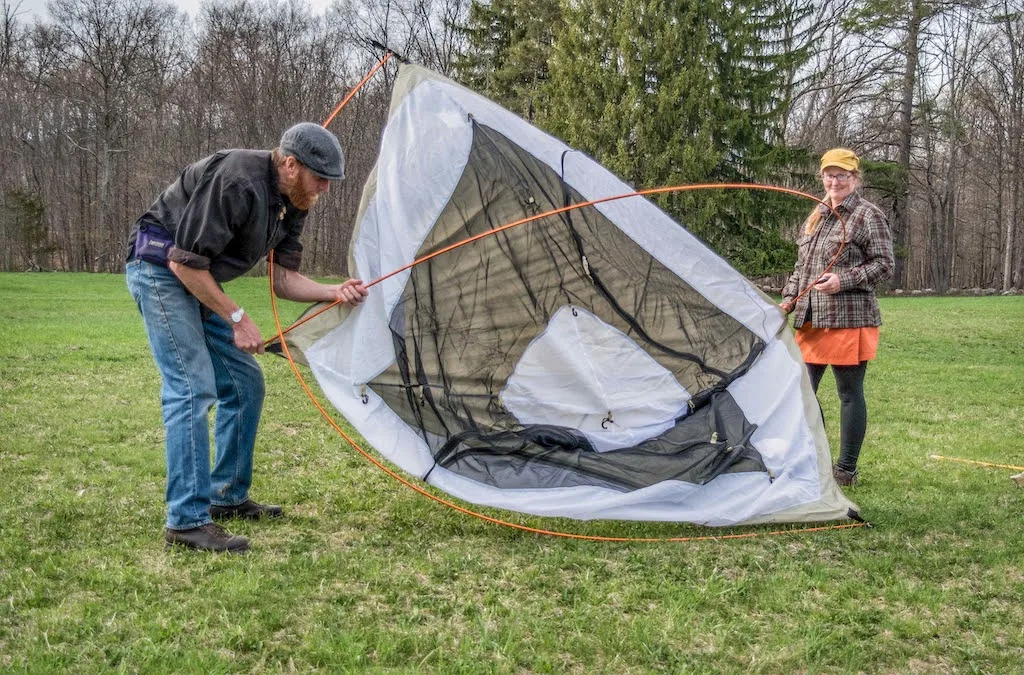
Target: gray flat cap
(317, 148)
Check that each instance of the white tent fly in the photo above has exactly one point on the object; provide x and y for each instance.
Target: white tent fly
(597, 363)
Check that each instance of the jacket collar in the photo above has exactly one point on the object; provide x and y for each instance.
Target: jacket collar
(273, 189)
(847, 206)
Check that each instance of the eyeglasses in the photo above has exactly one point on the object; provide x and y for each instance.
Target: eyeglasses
(837, 177)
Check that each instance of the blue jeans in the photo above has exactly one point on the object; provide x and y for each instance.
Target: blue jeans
(200, 365)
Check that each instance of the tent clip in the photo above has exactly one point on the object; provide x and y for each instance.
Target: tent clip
(607, 420)
(574, 312)
(365, 398)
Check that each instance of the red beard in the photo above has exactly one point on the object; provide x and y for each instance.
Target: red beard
(300, 198)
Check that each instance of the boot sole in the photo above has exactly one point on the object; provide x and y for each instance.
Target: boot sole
(169, 545)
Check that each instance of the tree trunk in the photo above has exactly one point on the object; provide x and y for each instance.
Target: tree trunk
(901, 220)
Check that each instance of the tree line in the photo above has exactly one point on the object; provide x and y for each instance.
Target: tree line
(104, 101)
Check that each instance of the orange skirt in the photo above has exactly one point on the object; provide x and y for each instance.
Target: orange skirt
(837, 346)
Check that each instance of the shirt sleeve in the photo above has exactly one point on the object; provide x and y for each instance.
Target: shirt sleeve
(792, 287)
(878, 257)
(288, 253)
(217, 207)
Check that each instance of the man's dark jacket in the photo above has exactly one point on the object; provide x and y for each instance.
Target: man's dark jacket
(225, 213)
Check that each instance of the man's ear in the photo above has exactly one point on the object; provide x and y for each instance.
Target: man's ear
(291, 165)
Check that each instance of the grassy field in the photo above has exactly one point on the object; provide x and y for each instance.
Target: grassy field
(365, 574)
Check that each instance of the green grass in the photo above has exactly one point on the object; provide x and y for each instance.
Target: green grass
(366, 574)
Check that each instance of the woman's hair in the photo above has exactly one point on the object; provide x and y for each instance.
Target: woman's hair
(811, 224)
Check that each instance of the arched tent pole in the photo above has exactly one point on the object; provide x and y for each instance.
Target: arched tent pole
(366, 78)
(573, 207)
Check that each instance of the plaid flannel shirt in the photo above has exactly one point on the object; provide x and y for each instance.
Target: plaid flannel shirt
(865, 262)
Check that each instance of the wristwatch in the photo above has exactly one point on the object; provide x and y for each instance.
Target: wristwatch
(236, 316)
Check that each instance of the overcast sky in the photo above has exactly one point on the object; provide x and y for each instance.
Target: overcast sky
(38, 7)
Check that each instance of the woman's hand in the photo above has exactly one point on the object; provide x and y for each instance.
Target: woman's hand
(828, 284)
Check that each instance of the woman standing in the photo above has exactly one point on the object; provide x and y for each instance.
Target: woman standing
(837, 320)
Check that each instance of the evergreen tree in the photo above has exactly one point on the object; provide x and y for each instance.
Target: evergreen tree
(509, 44)
(666, 92)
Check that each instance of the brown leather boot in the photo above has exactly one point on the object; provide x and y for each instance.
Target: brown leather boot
(843, 477)
(249, 510)
(208, 537)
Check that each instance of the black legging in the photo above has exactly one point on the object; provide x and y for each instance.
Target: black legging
(853, 412)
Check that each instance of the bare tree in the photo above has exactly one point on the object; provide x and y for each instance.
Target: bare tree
(1009, 69)
(110, 60)
(104, 101)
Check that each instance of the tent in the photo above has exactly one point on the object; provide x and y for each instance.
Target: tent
(597, 363)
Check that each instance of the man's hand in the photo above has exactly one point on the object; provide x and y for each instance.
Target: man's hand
(291, 285)
(352, 292)
(202, 285)
(828, 284)
(247, 336)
